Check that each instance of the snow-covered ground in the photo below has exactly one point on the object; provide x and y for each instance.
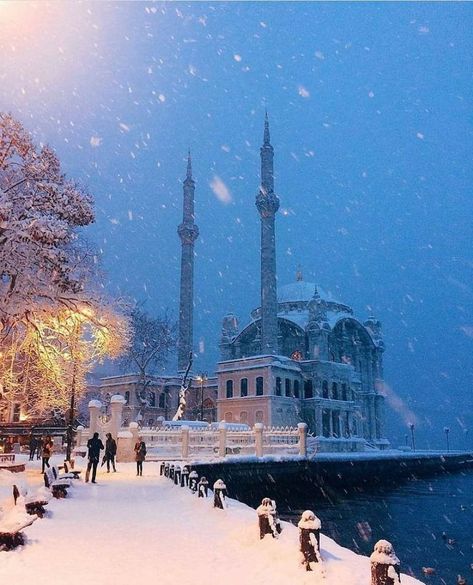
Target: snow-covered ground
(127, 529)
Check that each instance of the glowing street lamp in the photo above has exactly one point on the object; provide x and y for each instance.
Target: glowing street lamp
(413, 442)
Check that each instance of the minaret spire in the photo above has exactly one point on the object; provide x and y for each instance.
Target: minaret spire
(188, 233)
(267, 203)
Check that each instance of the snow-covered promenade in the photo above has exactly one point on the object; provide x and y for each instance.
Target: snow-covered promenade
(127, 529)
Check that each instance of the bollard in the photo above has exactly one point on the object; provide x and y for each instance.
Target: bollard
(220, 494)
(267, 519)
(193, 481)
(203, 487)
(171, 472)
(385, 566)
(177, 475)
(309, 538)
(185, 476)
(161, 468)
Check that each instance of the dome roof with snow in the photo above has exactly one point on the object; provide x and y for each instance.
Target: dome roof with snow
(301, 291)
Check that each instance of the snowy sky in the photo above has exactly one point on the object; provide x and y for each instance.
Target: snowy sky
(370, 107)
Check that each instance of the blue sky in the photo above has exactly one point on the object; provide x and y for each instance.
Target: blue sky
(370, 108)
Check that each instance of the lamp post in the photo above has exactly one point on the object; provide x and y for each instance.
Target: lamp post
(446, 430)
(202, 377)
(413, 441)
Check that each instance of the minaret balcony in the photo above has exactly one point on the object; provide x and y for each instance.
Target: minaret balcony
(188, 232)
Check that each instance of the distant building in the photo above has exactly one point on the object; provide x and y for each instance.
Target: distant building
(304, 356)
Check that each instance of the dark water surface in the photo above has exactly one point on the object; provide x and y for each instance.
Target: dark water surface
(413, 516)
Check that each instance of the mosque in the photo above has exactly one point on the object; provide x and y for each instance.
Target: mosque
(303, 356)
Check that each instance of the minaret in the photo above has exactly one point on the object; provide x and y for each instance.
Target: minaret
(267, 203)
(188, 232)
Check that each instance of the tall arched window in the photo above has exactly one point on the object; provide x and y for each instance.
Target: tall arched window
(287, 386)
(228, 417)
(244, 417)
(229, 388)
(259, 416)
(334, 391)
(296, 388)
(308, 389)
(152, 399)
(278, 386)
(127, 396)
(344, 392)
(244, 387)
(162, 400)
(259, 386)
(325, 389)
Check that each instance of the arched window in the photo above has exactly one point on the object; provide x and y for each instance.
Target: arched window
(259, 416)
(308, 389)
(259, 386)
(127, 397)
(344, 392)
(229, 388)
(287, 386)
(278, 386)
(243, 417)
(162, 400)
(152, 399)
(244, 387)
(334, 391)
(228, 417)
(151, 422)
(325, 390)
(296, 388)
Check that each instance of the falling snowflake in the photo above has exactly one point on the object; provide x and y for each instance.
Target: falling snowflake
(95, 141)
(303, 92)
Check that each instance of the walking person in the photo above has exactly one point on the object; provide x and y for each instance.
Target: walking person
(140, 455)
(33, 444)
(94, 446)
(110, 452)
(47, 446)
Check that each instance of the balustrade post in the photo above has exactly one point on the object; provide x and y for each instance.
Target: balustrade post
(185, 442)
(94, 411)
(258, 430)
(79, 431)
(222, 439)
(302, 429)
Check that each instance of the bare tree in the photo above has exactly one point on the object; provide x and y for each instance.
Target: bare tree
(153, 339)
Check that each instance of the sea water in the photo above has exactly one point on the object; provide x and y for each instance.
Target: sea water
(429, 522)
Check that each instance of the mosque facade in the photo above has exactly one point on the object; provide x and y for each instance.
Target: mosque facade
(304, 356)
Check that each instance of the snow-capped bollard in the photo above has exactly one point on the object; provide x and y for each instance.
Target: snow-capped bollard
(161, 468)
(266, 518)
(309, 539)
(220, 494)
(177, 475)
(258, 430)
(193, 481)
(171, 472)
(385, 566)
(166, 469)
(203, 487)
(185, 476)
(302, 429)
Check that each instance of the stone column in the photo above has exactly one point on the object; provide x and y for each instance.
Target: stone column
(94, 411)
(302, 429)
(185, 442)
(258, 430)
(79, 431)
(116, 406)
(222, 439)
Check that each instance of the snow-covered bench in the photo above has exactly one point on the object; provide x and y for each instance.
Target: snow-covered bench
(68, 468)
(58, 487)
(58, 475)
(13, 519)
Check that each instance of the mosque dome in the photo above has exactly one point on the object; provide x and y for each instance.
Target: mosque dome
(301, 291)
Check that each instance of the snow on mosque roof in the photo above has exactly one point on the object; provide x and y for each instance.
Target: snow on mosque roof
(301, 291)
